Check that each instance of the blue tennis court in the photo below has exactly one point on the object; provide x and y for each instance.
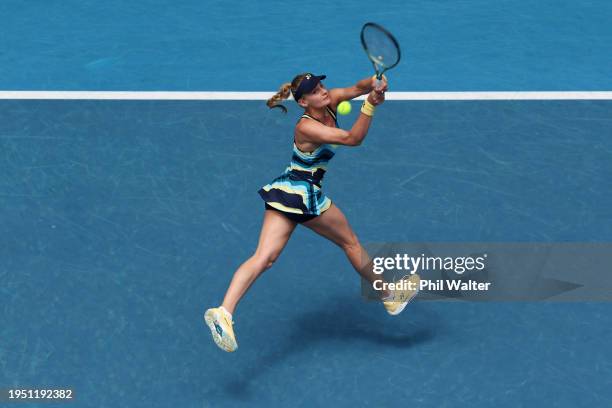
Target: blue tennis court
(123, 220)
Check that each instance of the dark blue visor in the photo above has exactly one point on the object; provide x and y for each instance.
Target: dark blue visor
(309, 82)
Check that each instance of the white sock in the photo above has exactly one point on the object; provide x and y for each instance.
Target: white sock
(226, 312)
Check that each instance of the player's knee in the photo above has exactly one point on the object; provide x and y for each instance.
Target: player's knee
(270, 261)
(266, 260)
(351, 243)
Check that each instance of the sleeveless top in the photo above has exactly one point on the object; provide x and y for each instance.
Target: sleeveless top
(298, 189)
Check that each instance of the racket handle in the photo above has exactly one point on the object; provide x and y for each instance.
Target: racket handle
(378, 83)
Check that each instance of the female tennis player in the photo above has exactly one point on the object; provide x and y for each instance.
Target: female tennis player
(295, 197)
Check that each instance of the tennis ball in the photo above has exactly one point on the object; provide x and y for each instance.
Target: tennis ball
(344, 108)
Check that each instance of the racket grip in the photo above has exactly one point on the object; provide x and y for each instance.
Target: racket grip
(378, 82)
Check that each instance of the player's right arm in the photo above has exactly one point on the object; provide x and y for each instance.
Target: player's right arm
(317, 133)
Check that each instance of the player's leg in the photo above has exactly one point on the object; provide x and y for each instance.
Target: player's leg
(275, 232)
(333, 225)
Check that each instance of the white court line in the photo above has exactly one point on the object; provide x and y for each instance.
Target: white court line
(260, 96)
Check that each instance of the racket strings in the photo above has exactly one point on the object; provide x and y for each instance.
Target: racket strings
(380, 47)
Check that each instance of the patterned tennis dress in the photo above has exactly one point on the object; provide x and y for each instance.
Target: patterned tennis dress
(298, 189)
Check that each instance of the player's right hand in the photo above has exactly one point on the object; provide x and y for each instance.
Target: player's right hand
(376, 98)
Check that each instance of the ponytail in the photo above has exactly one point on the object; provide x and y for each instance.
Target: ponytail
(283, 93)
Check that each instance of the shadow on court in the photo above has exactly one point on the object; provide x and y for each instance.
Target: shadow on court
(339, 328)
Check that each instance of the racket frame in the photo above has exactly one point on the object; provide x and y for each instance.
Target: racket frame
(379, 73)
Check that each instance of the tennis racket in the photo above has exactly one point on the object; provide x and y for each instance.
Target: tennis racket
(381, 47)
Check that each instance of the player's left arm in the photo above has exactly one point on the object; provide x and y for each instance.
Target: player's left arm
(363, 87)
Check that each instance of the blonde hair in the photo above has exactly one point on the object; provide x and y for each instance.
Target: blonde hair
(284, 92)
